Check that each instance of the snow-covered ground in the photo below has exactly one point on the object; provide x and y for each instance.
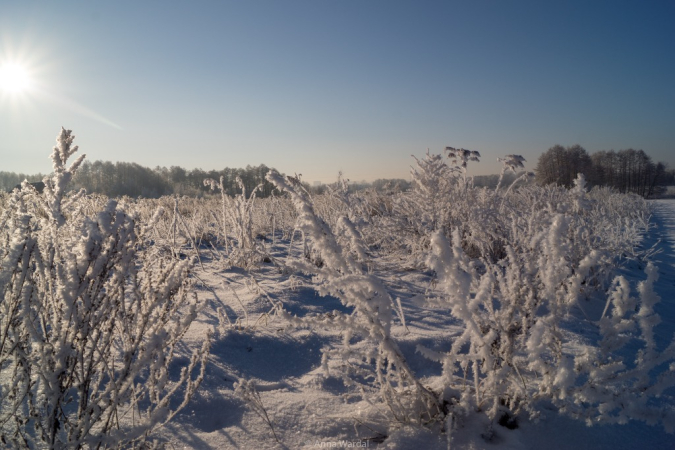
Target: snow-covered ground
(670, 192)
(306, 409)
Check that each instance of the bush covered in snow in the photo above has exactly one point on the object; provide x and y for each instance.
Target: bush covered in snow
(89, 321)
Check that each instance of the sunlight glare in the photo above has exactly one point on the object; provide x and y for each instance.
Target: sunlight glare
(14, 78)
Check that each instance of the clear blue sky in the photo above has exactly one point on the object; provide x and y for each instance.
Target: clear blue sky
(315, 87)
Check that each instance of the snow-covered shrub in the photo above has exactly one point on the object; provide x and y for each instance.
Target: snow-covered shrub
(379, 362)
(443, 197)
(620, 220)
(513, 353)
(237, 219)
(89, 322)
(4, 198)
(181, 226)
(274, 215)
(415, 214)
(432, 182)
(488, 219)
(338, 202)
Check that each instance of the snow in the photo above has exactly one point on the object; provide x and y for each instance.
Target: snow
(309, 409)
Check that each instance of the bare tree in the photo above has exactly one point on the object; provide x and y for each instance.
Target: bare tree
(560, 165)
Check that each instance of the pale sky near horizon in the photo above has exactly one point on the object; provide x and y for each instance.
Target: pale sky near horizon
(315, 87)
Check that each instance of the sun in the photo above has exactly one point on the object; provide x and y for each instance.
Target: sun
(14, 78)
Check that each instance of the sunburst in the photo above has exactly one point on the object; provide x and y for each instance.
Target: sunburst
(14, 78)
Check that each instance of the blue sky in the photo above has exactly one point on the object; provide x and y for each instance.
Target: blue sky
(315, 87)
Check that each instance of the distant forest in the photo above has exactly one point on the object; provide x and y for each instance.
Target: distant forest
(133, 180)
(625, 170)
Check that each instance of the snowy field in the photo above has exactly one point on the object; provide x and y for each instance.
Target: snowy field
(444, 316)
(309, 410)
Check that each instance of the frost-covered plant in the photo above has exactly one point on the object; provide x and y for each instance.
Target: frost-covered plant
(274, 215)
(379, 362)
(89, 323)
(513, 164)
(55, 186)
(339, 201)
(460, 158)
(432, 180)
(247, 391)
(489, 219)
(418, 212)
(512, 352)
(237, 219)
(614, 389)
(442, 197)
(278, 215)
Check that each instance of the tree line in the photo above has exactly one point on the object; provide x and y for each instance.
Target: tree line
(133, 180)
(8, 180)
(627, 171)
